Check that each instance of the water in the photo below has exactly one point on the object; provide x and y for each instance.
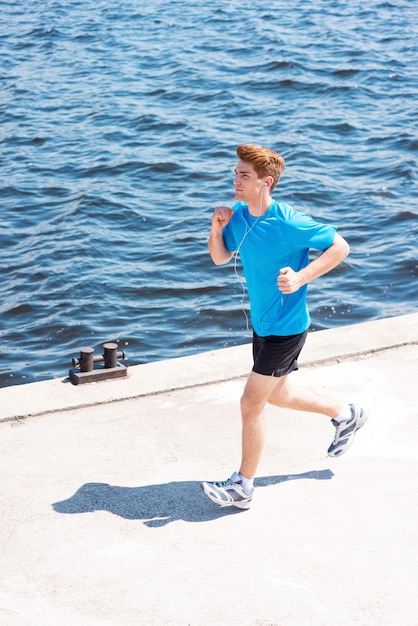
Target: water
(119, 124)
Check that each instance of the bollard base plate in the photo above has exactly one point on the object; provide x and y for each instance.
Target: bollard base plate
(108, 373)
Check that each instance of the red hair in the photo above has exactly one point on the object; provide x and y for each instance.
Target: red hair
(265, 161)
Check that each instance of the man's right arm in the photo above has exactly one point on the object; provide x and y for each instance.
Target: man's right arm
(217, 249)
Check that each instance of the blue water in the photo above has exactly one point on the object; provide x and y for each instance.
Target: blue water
(119, 123)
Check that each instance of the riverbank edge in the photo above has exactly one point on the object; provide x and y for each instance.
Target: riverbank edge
(326, 346)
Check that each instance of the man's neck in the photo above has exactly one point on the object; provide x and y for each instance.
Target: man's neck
(259, 207)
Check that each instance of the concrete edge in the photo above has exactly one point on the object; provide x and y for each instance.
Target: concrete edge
(326, 346)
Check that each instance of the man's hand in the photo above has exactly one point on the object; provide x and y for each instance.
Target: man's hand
(288, 281)
(221, 216)
(218, 251)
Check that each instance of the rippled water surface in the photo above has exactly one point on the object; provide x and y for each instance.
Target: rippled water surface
(119, 124)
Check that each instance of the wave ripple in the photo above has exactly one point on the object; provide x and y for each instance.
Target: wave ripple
(119, 128)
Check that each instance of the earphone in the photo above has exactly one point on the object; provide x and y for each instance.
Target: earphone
(240, 280)
(237, 251)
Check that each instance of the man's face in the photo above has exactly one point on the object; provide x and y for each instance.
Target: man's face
(248, 186)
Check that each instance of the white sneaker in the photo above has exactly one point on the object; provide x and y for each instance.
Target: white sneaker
(229, 492)
(345, 431)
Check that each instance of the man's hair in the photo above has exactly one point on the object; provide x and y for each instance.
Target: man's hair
(265, 161)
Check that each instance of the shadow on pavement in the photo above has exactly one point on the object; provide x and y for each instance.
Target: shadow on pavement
(158, 505)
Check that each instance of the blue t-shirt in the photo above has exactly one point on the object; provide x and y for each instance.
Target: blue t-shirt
(281, 237)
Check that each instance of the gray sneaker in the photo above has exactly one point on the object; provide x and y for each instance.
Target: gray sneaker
(345, 431)
(229, 492)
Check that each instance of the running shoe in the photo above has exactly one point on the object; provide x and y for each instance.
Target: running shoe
(345, 431)
(229, 492)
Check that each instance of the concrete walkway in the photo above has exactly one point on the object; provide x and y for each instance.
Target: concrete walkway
(103, 521)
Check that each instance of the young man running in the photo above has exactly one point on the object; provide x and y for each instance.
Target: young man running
(273, 241)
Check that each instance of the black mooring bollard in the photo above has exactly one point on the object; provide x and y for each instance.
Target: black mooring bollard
(111, 354)
(87, 373)
(86, 359)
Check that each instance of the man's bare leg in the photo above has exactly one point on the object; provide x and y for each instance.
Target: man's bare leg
(238, 489)
(291, 396)
(256, 393)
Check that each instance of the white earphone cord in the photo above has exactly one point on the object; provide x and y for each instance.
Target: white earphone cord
(242, 281)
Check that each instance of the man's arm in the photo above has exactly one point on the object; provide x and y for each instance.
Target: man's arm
(217, 249)
(289, 281)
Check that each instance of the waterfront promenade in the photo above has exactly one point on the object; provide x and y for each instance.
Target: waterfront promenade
(103, 522)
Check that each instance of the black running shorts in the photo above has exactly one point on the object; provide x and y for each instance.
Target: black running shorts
(277, 356)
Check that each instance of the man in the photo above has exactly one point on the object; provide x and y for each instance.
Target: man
(273, 241)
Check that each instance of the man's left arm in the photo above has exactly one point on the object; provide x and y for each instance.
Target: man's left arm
(290, 281)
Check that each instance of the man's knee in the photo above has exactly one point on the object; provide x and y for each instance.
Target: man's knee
(251, 406)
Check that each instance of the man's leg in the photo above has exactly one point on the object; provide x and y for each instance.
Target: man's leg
(300, 399)
(347, 419)
(238, 489)
(257, 391)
